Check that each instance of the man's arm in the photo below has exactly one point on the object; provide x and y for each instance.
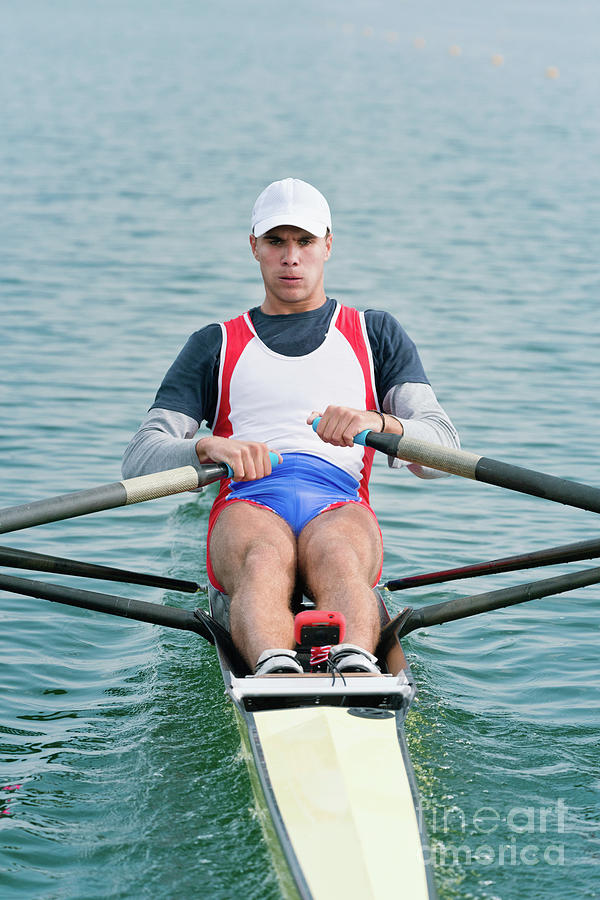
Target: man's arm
(410, 409)
(164, 440)
(186, 398)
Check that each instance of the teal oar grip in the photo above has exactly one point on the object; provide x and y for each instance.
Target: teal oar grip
(272, 456)
(359, 438)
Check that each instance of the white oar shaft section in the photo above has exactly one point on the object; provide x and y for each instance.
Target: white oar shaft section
(432, 456)
(109, 496)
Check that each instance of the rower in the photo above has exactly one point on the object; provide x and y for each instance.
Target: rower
(259, 380)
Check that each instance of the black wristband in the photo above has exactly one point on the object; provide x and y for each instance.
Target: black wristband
(382, 418)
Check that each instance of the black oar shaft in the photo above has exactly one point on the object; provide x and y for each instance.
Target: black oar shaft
(185, 620)
(126, 607)
(463, 607)
(549, 487)
(491, 471)
(40, 562)
(109, 496)
(550, 557)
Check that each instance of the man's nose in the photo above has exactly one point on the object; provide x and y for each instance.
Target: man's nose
(290, 255)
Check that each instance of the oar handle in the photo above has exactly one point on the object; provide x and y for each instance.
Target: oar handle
(109, 496)
(481, 468)
(117, 493)
(361, 437)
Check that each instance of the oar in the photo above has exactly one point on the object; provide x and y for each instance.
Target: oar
(117, 493)
(463, 607)
(40, 562)
(550, 557)
(481, 468)
(172, 617)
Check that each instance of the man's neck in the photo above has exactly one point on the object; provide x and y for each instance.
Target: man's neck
(272, 306)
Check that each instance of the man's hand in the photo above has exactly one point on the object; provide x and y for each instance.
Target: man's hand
(339, 424)
(248, 459)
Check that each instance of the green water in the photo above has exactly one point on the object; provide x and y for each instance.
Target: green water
(465, 200)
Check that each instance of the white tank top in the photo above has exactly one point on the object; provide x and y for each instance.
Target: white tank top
(265, 396)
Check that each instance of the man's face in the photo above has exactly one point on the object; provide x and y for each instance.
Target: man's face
(291, 263)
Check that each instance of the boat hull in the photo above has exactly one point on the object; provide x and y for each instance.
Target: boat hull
(340, 809)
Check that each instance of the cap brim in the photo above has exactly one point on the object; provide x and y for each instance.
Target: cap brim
(318, 229)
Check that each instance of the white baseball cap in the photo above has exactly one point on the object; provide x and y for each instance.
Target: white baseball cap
(291, 202)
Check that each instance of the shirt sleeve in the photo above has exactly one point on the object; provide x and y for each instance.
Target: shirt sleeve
(163, 441)
(191, 384)
(186, 398)
(396, 359)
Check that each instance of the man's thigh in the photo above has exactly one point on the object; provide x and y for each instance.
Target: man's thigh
(246, 539)
(343, 542)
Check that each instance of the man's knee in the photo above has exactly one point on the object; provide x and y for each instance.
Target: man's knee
(268, 554)
(348, 532)
(249, 544)
(345, 542)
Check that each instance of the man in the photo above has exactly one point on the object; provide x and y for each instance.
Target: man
(260, 380)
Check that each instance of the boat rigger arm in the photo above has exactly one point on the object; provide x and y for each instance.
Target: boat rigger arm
(423, 419)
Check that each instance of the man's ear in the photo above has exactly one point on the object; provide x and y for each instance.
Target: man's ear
(253, 246)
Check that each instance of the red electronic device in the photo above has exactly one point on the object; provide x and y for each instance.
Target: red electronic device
(319, 628)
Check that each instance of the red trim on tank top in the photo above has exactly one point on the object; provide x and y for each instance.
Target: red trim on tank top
(238, 337)
(349, 324)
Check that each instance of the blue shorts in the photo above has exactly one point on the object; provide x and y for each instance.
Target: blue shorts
(298, 489)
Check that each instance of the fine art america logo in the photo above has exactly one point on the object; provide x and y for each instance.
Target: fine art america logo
(525, 836)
